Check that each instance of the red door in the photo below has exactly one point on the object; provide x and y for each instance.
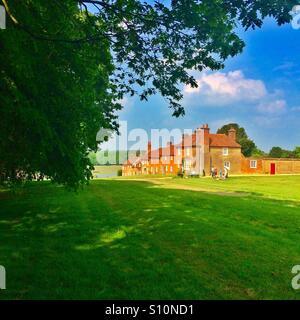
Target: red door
(273, 168)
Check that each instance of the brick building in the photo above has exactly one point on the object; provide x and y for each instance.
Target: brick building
(201, 151)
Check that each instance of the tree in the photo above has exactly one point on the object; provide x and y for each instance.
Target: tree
(93, 158)
(258, 153)
(277, 152)
(54, 95)
(297, 152)
(65, 64)
(248, 145)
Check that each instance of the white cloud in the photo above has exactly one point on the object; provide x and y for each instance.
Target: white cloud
(268, 121)
(127, 104)
(285, 66)
(221, 89)
(272, 107)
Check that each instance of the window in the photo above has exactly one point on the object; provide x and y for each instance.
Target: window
(227, 164)
(253, 164)
(179, 152)
(188, 152)
(187, 164)
(166, 168)
(225, 151)
(171, 169)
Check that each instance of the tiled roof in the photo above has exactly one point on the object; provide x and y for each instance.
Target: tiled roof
(127, 163)
(222, 140)
(132, 162)
(168, 151)
(156, 154)
(215, 140)
(145, 157)
(188, 141)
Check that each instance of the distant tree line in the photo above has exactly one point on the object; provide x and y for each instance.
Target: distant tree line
(249, 147)
(277, 152)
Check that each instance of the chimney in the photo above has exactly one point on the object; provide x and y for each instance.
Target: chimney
(205, 134)
(170, 147)
(160, 152)
(232, 134)
(149, 150)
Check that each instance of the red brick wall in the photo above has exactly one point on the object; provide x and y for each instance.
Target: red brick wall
(245, 166)
(283, 166)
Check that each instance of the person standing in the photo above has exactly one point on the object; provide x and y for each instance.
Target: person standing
(226, 173)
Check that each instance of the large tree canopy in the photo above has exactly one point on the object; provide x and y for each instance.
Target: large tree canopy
(54, 95)
(64, 64)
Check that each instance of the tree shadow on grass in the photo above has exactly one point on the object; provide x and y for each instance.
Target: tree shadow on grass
(128, 240)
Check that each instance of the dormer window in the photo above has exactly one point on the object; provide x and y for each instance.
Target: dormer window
(225, 151)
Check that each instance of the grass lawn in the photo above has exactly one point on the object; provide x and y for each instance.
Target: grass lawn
(106, 171)
(152, 239)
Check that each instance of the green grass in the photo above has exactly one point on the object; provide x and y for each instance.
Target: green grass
(106, 171)
(275, 187)
(123, 239)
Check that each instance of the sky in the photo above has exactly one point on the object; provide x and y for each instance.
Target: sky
(258, 89)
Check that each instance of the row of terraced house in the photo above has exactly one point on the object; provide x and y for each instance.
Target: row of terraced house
(201, 151)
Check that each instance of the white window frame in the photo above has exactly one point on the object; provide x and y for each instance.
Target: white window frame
(225, 151)
(188, 164)
(252, 165)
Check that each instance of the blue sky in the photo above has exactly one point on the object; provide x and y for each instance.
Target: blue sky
(259, 89)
